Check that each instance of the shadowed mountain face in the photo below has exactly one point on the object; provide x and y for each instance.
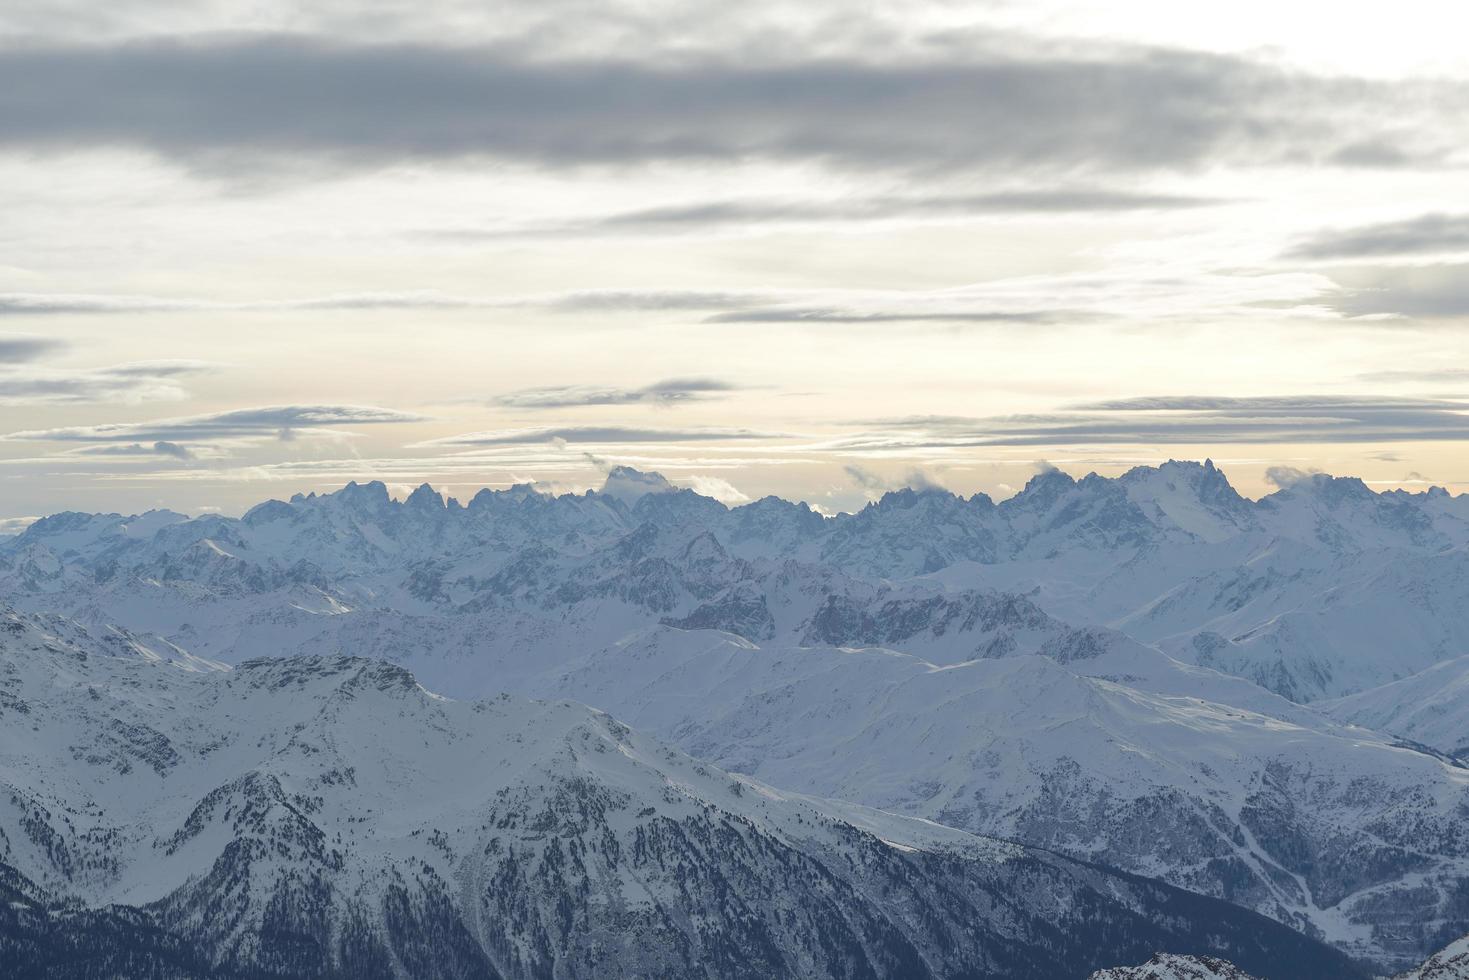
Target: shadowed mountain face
(327, 816)
(1150, 672)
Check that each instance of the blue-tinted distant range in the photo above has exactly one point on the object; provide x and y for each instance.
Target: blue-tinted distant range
(662, 488)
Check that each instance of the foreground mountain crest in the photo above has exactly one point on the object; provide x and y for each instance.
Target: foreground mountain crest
(327, 816)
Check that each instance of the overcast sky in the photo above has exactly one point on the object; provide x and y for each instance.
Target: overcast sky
(818, 249)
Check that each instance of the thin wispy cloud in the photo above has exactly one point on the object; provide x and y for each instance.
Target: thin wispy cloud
(1051, 201)
(15, 525)
(1285, 477)
(873, 483)
(142, 381)
(719, 488)
(173, 450)
(573, 301)
(1041, 300)
(597, 435)
(808, 314)
(865, 478)
(277, 421)
(711, 215)
(486, 466)
(1273, 405)
(673, 391)
(1137, 295)
(1432, 376)
(81, 304)
(1176, 420)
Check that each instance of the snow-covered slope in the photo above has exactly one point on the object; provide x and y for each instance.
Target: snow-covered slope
(320, 817)
(1310, 624)
(1108, 751)
(1431, 708)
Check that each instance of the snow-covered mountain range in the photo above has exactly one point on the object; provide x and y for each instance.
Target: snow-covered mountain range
(1323, 589)
(1258, 701)
(328, 816)
(1113, 752)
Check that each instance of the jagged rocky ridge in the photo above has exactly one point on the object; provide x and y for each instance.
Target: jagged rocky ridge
(1169, 966)
(328, 817)
(1450, 963)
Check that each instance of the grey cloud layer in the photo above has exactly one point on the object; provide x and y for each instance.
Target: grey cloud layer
(225, 103)
(1182, 420)
(16, 349)
(1426, 291)
(1426, 234)
(277, 420)
(159, 448)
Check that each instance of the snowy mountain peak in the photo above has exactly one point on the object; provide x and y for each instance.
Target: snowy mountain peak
(1192, 497)
(906, 497)
(425, 498)
(1334, 490)
(1049, 482)
(150, 522)
(272, 510)
(626, 484)
(63, 521)
(1203, 477)
(520, 491)
(372, 495)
